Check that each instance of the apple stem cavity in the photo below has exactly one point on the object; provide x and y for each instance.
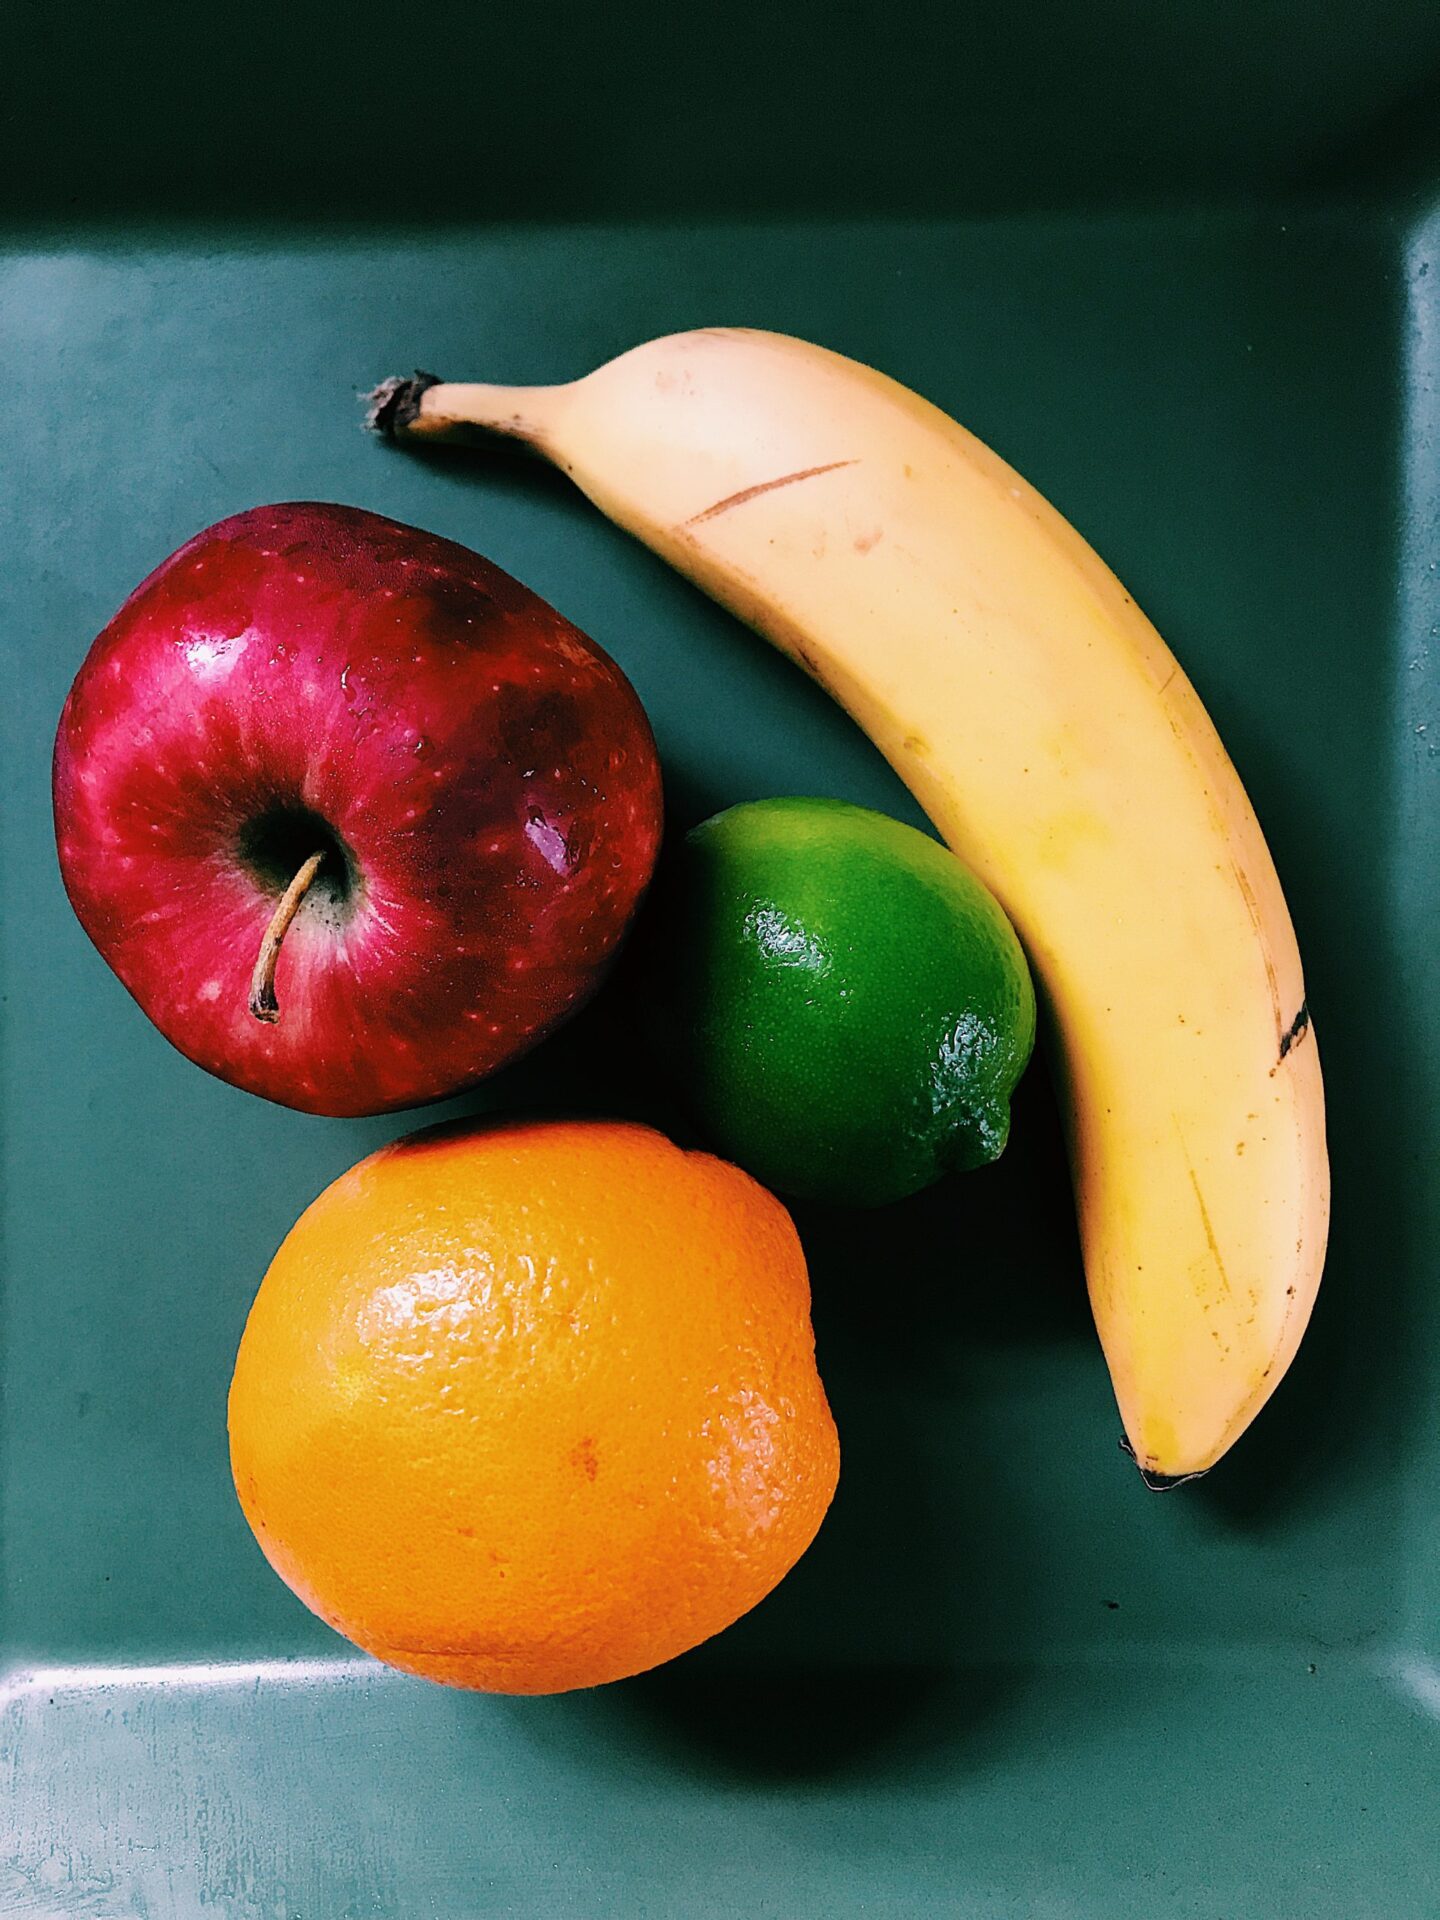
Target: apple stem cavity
(263, 1003)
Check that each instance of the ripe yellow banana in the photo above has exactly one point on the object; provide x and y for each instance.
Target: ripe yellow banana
(1049, 733)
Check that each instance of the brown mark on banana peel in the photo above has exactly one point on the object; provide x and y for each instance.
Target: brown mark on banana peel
(1212, 1242)
(746, 494)
(1242, 881)
(1296, 1029)
(1252, 907)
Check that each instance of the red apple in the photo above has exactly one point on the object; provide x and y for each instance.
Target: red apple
(478, 778)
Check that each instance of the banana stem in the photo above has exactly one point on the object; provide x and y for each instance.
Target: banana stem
(425, 407)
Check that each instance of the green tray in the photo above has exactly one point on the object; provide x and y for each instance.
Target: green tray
(1175, 264)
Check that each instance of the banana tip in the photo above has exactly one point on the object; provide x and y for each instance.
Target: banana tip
(1157, 1482)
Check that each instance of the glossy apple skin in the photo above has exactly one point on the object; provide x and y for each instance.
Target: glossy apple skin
(485, 774)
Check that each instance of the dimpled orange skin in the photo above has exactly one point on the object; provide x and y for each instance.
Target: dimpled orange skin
(527, 1408)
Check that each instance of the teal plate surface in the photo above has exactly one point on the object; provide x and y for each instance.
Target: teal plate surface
(1006, 1680)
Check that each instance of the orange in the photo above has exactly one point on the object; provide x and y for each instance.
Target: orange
(533, 1407)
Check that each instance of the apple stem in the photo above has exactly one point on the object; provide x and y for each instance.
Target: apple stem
(263, 1003)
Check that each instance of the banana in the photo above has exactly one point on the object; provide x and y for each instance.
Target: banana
(1051, 736)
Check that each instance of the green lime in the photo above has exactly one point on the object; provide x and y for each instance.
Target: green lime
(847, 1005)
